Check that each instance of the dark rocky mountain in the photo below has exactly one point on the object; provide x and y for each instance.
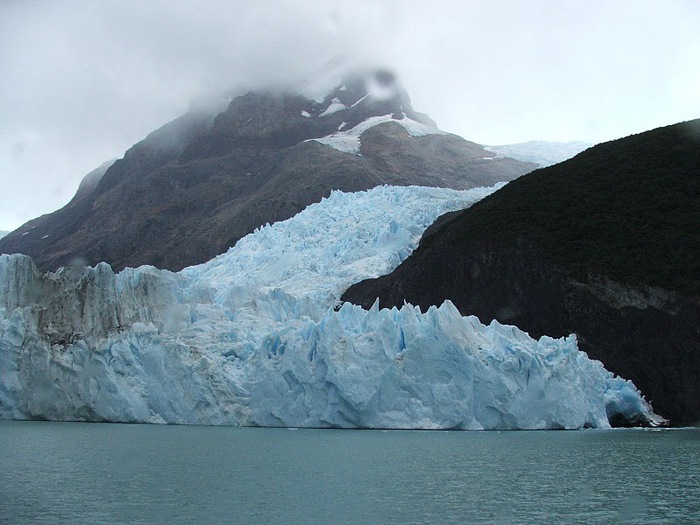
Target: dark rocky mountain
(190, 190)
(605, 245)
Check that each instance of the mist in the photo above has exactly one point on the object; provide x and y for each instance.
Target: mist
(84, 80)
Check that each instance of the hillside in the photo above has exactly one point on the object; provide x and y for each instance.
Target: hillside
(605, 245)
(191, 189)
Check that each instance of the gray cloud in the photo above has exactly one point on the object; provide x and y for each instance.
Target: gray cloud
(84, 80)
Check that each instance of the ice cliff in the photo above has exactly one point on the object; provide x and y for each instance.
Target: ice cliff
(257, 337)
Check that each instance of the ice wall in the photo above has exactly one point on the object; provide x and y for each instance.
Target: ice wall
(256, 337)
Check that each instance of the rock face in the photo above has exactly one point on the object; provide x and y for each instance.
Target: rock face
(193, 188)
(606, 245)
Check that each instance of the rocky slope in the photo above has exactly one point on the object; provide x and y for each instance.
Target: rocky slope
(605, 245)
(193, 188)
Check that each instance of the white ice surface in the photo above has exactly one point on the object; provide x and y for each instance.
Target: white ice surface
(253, 338)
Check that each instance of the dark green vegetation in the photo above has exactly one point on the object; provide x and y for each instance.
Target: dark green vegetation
(605, 245)
(627, 209)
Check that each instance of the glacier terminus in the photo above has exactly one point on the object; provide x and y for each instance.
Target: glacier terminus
(257, 337)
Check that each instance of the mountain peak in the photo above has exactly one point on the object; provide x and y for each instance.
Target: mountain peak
(375, 92)
(193, 188)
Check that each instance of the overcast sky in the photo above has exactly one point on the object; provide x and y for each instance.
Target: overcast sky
(82, 80)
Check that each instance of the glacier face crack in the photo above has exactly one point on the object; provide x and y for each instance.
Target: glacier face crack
(255, 337)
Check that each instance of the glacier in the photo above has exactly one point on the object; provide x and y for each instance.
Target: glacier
(257, 337)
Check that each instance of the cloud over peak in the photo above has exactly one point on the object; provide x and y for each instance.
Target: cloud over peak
(83, 80)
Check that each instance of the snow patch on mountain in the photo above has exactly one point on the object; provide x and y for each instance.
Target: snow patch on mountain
(349, 141)
(257, 337)
(335, 106)
(345, 143)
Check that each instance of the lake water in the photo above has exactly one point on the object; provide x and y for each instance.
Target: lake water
(103, 473)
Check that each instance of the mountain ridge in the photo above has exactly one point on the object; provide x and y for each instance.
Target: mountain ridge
(191, 189)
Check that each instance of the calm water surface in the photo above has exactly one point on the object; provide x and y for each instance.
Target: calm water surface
(101, 473)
